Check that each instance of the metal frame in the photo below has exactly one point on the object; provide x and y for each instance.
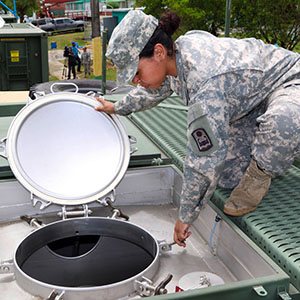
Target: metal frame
(14, 12)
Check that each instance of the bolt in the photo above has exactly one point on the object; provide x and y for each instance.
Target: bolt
(6, 269)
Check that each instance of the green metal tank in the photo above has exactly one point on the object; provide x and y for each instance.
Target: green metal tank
(23, 56)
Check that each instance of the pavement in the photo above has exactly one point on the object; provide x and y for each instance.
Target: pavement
(13, 96)
(55, 65)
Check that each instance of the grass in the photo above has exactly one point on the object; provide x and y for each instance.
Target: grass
(53, 78)
(66, 39)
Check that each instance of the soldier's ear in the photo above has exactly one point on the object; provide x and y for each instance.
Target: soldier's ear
(159, 51)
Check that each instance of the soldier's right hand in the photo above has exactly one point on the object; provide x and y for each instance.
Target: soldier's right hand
(105, 106)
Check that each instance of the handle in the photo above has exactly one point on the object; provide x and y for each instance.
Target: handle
(3, 146)
(93, 94)
(161, 288)
(63, 83)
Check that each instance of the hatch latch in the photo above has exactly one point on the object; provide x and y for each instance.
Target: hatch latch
(84, 212)
(116, 212)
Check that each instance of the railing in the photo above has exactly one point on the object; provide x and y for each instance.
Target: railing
(78, 14)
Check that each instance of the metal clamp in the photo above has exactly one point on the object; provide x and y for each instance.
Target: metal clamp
(3, 145)
(63, 83)
(145, 287)
(34, 222)
(55, 295)
(117, 213)
(7, 267)
(164, 246)
(64, 214)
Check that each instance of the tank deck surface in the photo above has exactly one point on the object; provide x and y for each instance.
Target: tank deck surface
(158, 220)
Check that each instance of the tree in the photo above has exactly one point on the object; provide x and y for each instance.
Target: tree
(153, 7)
(194, 14)
(276, 21)
(200, 14)
(24, 7)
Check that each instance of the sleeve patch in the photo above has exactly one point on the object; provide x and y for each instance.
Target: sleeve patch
(202, 139)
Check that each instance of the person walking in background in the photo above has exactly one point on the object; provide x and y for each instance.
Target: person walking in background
(86, 61)
(71, 63)
(76, 53)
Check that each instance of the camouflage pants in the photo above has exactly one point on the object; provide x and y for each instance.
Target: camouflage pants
(270, 134)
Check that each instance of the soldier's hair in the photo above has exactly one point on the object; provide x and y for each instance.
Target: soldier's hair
(168, 24)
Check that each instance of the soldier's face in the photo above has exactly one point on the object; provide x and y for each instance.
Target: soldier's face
(152, 71)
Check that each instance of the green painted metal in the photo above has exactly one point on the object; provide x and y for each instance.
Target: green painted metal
(275, 224)
(227, 18)
(23, 56)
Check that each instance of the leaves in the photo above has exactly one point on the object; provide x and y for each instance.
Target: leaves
(274, 21)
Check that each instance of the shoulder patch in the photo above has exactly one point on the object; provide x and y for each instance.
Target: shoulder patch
(202, 139)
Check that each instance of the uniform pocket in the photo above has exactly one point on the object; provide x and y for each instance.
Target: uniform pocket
(200, 136)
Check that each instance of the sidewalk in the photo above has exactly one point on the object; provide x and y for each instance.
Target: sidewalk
(13, 96)
(55, 66)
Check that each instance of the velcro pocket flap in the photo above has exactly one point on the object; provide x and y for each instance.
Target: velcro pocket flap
(201, 138)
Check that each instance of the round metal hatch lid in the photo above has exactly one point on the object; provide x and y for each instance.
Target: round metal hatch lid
(65, 152)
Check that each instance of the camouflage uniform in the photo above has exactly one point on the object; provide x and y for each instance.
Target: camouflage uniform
(242, 102)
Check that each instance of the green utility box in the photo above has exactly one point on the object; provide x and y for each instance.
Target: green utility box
(8, 18)
(23, 56)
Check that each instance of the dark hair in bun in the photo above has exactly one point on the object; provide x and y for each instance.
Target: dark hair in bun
(168, 24)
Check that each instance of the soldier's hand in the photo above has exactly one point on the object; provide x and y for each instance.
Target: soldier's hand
(181, 233)
(105, 106)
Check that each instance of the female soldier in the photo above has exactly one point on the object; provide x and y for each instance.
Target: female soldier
(244, 106)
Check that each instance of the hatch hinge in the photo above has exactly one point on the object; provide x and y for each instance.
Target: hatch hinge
(7, 267)
(35, 200)
(2, 146)
(132, 140)
(84, 212)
